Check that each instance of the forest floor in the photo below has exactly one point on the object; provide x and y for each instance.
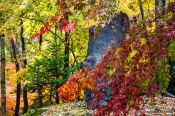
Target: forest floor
(162, 106)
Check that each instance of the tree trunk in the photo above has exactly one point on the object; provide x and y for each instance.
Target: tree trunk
(25, 109)
(18, 98)
(18, 90)
(40, 41)
(66, 44)
(66, 52)
(24, 66)
(56, 56)
(51, 89)
(143, 18)
(57, 96)
(3, 88)
(40, 96)
(66, 56)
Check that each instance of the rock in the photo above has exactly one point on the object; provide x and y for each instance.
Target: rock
(111, 35)
(171, 87)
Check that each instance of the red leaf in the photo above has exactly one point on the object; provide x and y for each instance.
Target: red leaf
(54, 19)
(47, 26)
(64, 26)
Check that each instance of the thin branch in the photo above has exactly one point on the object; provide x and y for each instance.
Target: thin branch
(75, 58)
(55, 35)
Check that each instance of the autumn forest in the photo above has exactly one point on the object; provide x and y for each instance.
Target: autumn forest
(87, 57)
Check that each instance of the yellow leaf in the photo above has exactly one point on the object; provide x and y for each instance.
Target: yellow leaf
(133, 53)
(143, 41)
(89, 23)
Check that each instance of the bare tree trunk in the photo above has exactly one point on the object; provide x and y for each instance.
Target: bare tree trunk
(3, 88)
(57, 96)
(25, 98)
(40, 96)
(51, 89)
(24, 66)
(66, 52)
(18, 88)
(40, 41)
(18, 91)
(57, 77)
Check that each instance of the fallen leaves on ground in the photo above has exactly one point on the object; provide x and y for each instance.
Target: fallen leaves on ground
(156, 106)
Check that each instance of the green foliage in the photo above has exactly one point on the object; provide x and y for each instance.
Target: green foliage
(163, 76)
(171, 51)
(47, 71)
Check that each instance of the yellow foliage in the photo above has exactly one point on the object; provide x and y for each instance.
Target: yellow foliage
(131, 7)
(143, 60)
(143, 41)
(89, 23)
(133, 53)
(20, 75)
(128, 6)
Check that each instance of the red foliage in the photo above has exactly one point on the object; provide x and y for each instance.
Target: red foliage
(65, 26)
(126, 83)
(54, 19)
(129, 73)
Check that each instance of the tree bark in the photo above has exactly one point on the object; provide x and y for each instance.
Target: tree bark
(3, 88)
(40, 96)
(51, 89)
(143, 18)
(40, 41)
(18, 88)
(66, 51)
(24, 66)
(56, 75)
(18, 98)
(57, 96)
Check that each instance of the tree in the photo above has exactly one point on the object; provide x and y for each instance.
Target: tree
(18, 87)
(3, 88)
(24, 66)
(132, 68)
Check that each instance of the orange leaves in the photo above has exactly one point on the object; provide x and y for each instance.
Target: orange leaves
(74, 88)
(10, 68)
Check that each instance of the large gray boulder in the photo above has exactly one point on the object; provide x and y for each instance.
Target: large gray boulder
(111, 35)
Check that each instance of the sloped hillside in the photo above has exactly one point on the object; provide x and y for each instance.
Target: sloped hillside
(163, 106)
